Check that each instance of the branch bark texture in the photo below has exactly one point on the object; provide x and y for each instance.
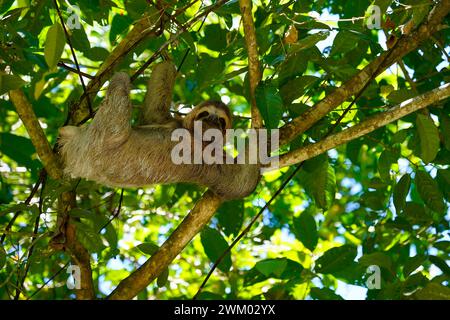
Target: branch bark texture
(37, 135)
(254, 68)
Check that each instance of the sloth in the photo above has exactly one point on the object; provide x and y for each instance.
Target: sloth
(110, 151)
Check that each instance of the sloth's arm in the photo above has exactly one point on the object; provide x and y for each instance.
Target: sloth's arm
(159, 94)
(112, 120)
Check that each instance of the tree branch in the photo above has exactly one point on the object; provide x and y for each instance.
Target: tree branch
(158, 262)
(37, 135)
(254, 68)
(365, 127)
(405, 45)
(79, 255)
(74, 56)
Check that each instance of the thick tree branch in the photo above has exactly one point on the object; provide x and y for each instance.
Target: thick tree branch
(405, 45)
(79, 255)
(366, 126)
(150, 270)
(52, 166)
(37, 135)
(254, 68)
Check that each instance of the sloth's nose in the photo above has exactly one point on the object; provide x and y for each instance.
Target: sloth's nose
(213, 118)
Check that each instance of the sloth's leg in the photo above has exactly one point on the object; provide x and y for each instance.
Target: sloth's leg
(114, 114)
(159, 94)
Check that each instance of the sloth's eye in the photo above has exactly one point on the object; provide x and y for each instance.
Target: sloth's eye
(203, 114)
(223, 122)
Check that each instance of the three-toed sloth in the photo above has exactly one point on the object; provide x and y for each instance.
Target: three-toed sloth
(112, 152)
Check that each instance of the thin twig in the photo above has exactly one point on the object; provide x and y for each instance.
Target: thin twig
(27, 202)
(65, 66)
(32, 246)
(116, 213)
(73, 54)
(49, 280)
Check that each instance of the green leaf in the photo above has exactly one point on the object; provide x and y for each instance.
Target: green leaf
(433, 291)
(19, 149)
(80, 40)
(271, 266)
(81, 213)
(444, 127)
(324, 294)
(148, 248)
(119, 24)
(387, 158)
(9, 82)
(294, 66)
(398, 96)
(344, 42)
(305, 230)
(295, 88)
(2, 257)
(215, 37)
(420, 12)
(279, 268)
(97, 54)
(429, 192)
(442, 245)
(441, 264)
(208, 66)
(215, 245)
(253, 276)
(231, 216)
(54, 45)
(336, 259)
(309, 41)
(412, 264)
(163, 194)
(137, 7)
(429, 138)
(162, 279)
(401, 191)
(14, 208)
(400, 136)
(416, 214)
(379, 259)
(320, 182)
(269, 104)
(443, 180)
(89, 238)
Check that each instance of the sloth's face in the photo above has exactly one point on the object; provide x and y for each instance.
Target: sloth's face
(213, 115)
